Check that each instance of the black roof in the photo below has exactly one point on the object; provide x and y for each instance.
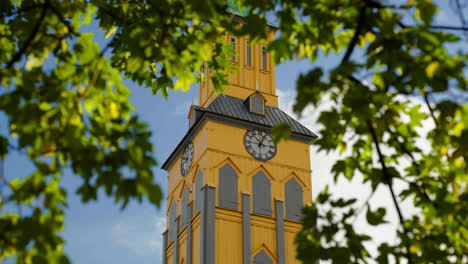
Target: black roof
(234, 110)
(234, 107)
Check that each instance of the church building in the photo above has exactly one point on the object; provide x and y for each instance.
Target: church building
(234, 196)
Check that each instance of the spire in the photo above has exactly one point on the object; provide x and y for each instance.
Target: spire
(257, 86)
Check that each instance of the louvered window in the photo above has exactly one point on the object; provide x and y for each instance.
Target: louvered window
(261, 193)
(227, 192)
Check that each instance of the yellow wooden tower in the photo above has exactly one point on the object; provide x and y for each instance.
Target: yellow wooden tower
(234, 196)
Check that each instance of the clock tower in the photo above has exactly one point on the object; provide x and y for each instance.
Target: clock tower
(234, 196)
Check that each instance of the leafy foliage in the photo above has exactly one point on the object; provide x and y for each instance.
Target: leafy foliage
(389, 69)
(66, 106)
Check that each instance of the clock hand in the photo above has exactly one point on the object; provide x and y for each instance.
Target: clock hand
(263, 138)
(256, 137)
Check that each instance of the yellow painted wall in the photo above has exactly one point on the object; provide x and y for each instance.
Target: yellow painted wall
(214, 145)
(244, 80)
(228, 236)
(183, 245)
(263, 233)
(223, 143)
(196, 239)
(170, 253)
(290, 230)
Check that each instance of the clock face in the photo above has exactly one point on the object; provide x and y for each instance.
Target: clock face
(186, 161)
(260, 145)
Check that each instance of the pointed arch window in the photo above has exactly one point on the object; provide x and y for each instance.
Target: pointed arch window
(185, 208)
(227, 191)
(261, 193)
(262, 258)
(173, 222)
(198, 192)
(294, 200)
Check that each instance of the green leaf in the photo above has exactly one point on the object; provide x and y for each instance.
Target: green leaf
(376, 217)
(425, 10)
(281, 132)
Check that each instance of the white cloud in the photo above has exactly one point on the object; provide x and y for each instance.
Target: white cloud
(143, 236)
(322, 163)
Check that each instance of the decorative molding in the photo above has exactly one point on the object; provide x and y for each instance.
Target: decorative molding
(250, 158)
(228, 160)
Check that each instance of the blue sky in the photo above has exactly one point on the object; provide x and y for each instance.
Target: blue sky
(99, 232)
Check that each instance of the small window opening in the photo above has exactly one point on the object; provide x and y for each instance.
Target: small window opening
(264, 59)
(256, 105)
(233, 44)
(249, 55)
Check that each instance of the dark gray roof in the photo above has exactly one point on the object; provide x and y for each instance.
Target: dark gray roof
(234, 107)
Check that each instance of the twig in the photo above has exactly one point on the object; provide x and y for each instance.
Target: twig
(28, 41)
(363, 206)
(426, 99)
(21, 10)
(104, 50)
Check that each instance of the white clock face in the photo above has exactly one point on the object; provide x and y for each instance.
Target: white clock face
(260, 145)
(186, 161)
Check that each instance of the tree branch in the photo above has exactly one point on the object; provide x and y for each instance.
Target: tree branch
(461, 28)
(460, 12)
(387, 176)
(357, 32)
(28, 41)
(388, 180)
